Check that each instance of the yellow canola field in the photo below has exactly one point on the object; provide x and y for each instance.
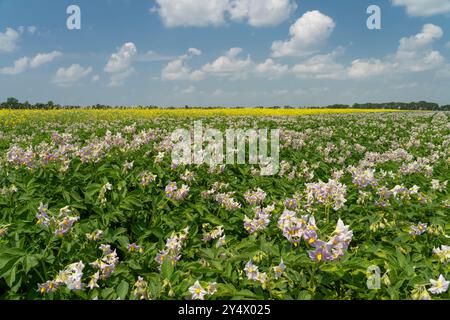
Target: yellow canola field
(14, 117)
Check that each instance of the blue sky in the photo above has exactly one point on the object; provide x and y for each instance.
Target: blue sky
(225, 52)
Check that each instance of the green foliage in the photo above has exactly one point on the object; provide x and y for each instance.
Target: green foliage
(130, 212)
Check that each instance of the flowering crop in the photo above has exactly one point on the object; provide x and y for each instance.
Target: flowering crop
(60, 224)
(98, 210)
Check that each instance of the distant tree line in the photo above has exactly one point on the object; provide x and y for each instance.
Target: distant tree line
(13, 103)
(421, 105)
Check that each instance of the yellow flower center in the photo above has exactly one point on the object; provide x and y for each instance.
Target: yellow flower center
(319, 257)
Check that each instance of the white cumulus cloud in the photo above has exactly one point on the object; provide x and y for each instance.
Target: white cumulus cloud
(10, 37)
(308, 34)
(68, 76)
(261, 13)
(200, 13)
(366, 68)
(424, 8)
(178, 70)
(229, 65)
(8, 40)
(424, 39)
(194, 51)
(416, 53)
(271, 69)
(119, 64)
(121, 60)
(42, 58)
(20, 66)
(323, 66)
